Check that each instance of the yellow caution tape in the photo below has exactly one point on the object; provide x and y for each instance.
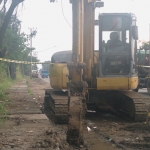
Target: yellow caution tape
(26, 62)
(143, 66)
(22, 62)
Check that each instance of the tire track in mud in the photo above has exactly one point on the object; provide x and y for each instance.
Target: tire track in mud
(123, 134)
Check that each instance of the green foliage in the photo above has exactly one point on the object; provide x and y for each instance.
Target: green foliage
(4, 79)
(145, 45)
(5, 83)
(2, 110)
(16, 43)
(16, 46)
(19, 74)
(28, 87)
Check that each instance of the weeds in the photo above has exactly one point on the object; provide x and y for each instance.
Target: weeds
(5, 83)
(3, 111)
(3, 98)
(28, 87)
(19, 75)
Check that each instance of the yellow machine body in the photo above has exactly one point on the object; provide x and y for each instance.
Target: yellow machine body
(118, 83)
(59, 75)
(59, 78)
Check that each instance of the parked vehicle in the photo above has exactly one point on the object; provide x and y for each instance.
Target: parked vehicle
(34, 74)
(144, 72)
(44, 74)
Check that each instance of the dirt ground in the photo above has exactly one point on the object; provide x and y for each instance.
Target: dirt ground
(26, 128)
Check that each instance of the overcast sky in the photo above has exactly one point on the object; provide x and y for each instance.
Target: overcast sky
(54, 33)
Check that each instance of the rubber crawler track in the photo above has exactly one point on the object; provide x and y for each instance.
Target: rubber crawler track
(56, 106)
(134, 105)
(128, 104)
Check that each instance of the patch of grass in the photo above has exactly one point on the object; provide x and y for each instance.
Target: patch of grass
(5, 83)
(28, 87)
(19, 75)
(3, 111)
(4, 97)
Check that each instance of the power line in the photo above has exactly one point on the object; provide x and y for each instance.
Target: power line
(46, 49)
(64, 15)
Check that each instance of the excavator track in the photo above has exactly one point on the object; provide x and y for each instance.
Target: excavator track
(131, 105)
(128, 104)
(56, 106)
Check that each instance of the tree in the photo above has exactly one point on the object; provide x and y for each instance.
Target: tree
(145, 45)
(3, 9)
(15, 43)
(5, 24)
(1, 1)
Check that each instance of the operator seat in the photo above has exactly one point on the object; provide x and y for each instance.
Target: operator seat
(114, 40)
(112, 47)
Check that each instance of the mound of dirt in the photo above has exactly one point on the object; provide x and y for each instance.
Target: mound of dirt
(51, 139)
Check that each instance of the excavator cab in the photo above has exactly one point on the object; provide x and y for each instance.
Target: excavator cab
(117, 50)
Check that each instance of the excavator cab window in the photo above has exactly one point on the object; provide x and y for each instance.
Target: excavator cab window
(115, 51)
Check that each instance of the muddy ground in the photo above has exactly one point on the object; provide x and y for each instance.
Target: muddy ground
(26, 128)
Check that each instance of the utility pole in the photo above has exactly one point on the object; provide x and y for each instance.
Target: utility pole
(31, 52)
(149, 31)
(148, 81)
(32, 34)
(149, 36)
(149, 47)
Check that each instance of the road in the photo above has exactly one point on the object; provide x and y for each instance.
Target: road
(45, 79)
(143, 91)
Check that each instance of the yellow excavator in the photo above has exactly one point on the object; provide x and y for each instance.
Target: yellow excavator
(85, 79)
